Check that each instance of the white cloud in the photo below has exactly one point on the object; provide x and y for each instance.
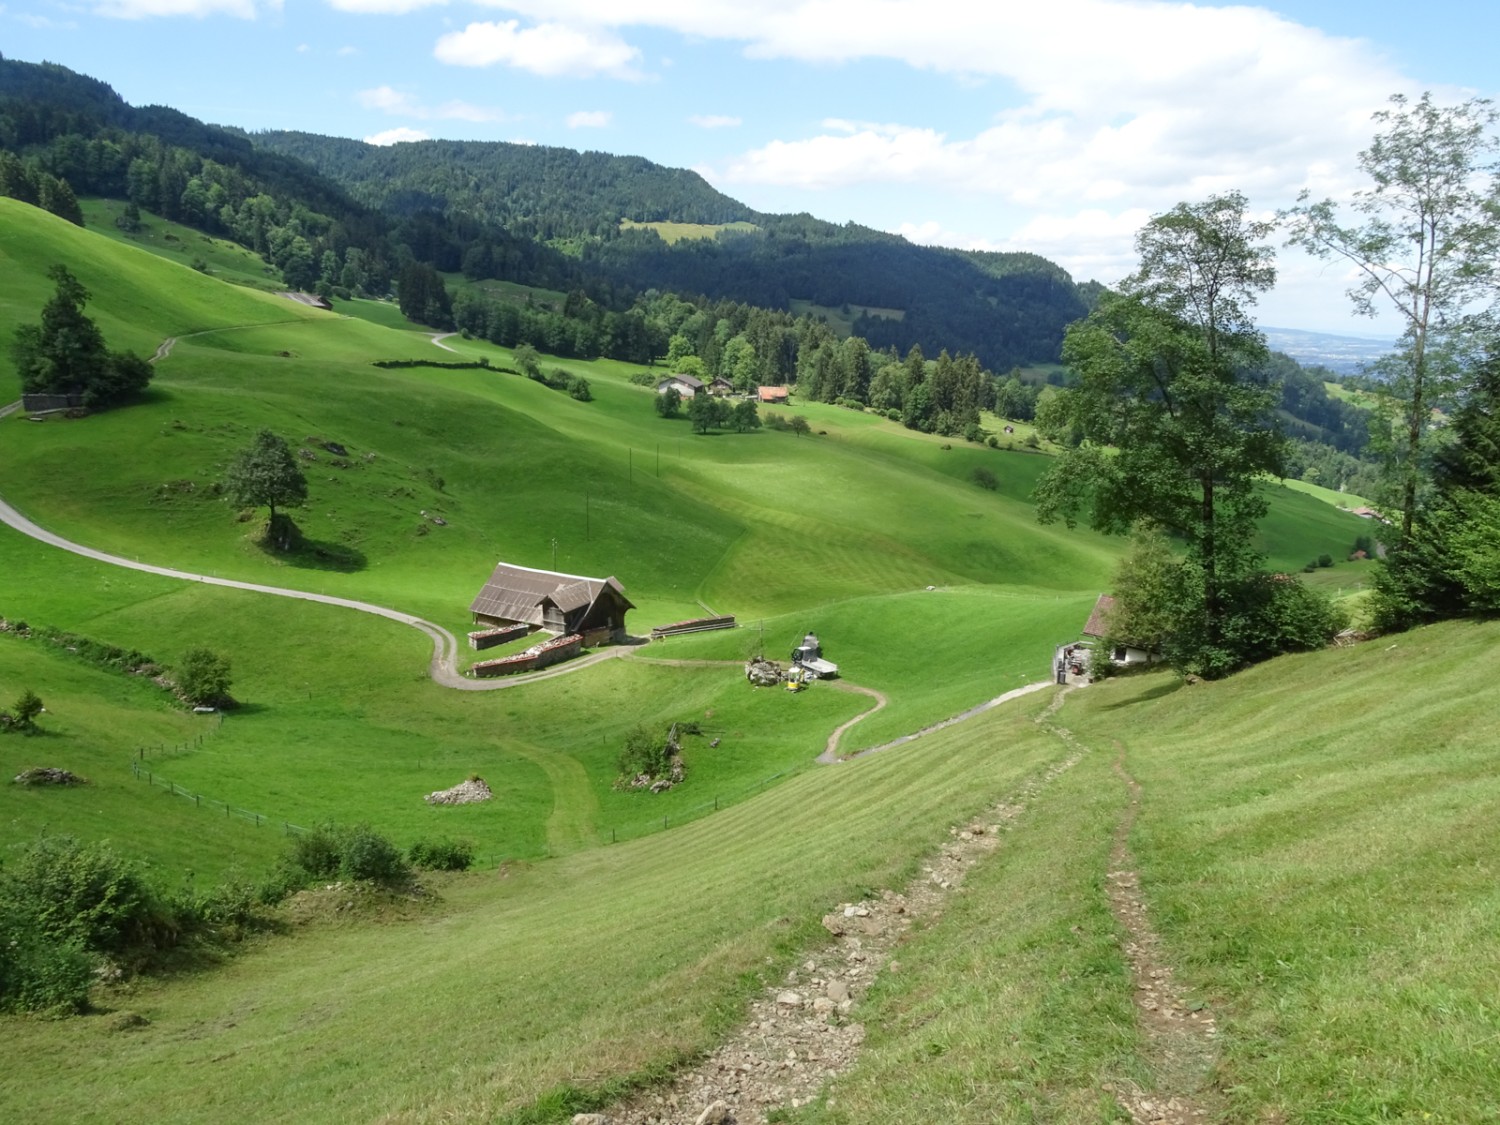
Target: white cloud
(382, 7)
(548, 49)
(303, 48)
(392, 101)
(345, 52)
(1139, 103)
(199, 9)
(589, 119)
(396, 136)
(714, 121)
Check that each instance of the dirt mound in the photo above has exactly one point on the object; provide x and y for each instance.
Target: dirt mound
(464, 793)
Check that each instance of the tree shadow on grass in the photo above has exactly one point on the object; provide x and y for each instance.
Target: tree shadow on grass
(290, 547)
(1161, 690)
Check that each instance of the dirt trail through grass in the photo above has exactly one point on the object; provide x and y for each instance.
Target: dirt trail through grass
(803, 1031)
(1180, 1036)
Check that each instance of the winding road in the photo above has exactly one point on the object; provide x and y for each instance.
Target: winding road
(443, 667)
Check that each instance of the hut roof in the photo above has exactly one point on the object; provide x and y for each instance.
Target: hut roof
(514, 592)
(1098, 622)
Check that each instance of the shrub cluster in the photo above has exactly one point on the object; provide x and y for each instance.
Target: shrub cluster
(648, 750)
(331, 851)
(64, 906)
(442, 855)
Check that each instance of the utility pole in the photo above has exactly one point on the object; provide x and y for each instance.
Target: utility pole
(554, 552)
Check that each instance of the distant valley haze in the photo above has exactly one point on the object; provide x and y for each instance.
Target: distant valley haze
(1054, 129)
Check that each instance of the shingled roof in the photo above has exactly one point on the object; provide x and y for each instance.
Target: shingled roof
(517, 593)
(1098, 623)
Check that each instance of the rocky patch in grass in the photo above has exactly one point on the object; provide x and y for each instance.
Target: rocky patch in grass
(49, 775)
(467, 792)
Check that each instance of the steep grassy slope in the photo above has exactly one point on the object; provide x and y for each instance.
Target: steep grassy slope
(1316, 845)
(565, 974)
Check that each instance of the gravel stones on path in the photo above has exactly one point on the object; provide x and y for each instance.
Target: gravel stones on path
(803, 1031)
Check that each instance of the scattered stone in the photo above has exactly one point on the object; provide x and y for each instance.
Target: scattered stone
(335, 448)
(716, 1113)
(49, 775)
(788, 1000)
(128, 1021)
(464, 793)
(838, 991)
(590, 1119)
(763, 673)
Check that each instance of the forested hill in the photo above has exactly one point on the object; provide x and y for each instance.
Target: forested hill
(1005, 308)
(531, 190)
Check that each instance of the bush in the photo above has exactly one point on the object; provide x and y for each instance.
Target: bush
(37, 974)
(329, 851)
(578, 388)
(442, 855)
(84, 895)
(370, 857)
(646, 752)
(984, 478)
(1325, 560)
(203, 678)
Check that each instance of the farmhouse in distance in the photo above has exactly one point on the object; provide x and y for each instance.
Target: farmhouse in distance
(594, 608)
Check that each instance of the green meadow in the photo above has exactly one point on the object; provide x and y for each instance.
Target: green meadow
(1313, 836)
(676, 232)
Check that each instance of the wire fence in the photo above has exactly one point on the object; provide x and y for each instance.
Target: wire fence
(155, 781)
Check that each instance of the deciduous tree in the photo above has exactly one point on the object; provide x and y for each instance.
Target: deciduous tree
(1172, 404)
(265, 473)
(1425, 245)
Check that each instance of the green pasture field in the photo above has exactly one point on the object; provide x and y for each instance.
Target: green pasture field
(1315, 836)
(1363, 399)
(841, 319)
(523, 998)
(1318, 855)
(226, 260)
(1328, 495)
(675, 232)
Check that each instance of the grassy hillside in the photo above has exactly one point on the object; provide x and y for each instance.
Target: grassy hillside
(1313, 836)
(1317, 853)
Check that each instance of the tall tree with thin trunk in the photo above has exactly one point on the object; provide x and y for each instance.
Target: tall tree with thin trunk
(1425, 246)
(1174, 402)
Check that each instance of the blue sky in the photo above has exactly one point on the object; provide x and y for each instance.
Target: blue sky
(1056, 128)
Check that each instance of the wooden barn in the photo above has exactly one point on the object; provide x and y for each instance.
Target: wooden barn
(560, 603)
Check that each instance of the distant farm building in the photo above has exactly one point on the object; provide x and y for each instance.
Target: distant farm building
(593, 608)
(774, 394)
(1097, 626)
(688, 386)
(721, 387)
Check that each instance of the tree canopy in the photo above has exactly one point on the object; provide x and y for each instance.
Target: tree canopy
(264, 473)
(65, 354)
(1426, 248)
(1173, 406)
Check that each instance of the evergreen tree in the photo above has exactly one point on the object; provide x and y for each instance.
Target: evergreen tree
(65, 352)
(1449, 566)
